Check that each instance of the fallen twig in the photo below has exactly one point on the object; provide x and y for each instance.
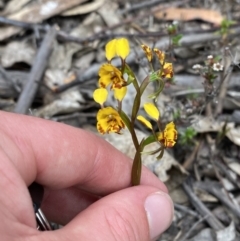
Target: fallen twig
(202, 209)
(28, 93)
(215, 190)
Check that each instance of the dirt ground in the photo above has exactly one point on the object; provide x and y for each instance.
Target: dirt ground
(51, 52)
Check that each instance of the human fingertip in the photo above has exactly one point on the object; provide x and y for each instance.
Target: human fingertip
(159, 209)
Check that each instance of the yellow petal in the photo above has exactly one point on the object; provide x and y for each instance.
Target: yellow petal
(169, 136)
(111, 49)
(100, 95)
(104, 81)
(109, 120)
(148, 52)
(151, 110)
(122, 48)
(144, 121)
(120, 93)
(109, 74)
(167, 71)
(160, 55)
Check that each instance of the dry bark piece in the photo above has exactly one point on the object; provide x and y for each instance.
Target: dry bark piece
(37, 12)
(187, 14)
(67, 102)
(85, 8)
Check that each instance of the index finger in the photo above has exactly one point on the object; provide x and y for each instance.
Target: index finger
(61, 156)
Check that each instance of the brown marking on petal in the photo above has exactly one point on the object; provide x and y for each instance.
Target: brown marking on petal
(160, 55)
(122, 123)
(167, 71)
(102, 85)
(100, 129)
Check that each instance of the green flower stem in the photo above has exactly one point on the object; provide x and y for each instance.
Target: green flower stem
(130, 127)
(123, 65)
(159, 125)
(119, 106)
(137, 99)
(144, 85)
(137, 166)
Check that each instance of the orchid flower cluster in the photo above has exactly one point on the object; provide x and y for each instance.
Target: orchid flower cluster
(113, 119)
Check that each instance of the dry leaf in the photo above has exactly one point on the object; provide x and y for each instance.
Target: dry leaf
(204, 196)
(206, 124)
(108, 13)
(36, 12)
(16, 52)
(68, 102)
(206, 234)
(187, 14)
(14, 6)
(227, 234)
(85, 8)
(235, 167)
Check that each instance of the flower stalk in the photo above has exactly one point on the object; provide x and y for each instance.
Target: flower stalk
(113, 120)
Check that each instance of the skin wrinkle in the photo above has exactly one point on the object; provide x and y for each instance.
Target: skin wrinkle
(120, 225)
(125, 226)
(22, 145)
(109, 176)
(93, 174)
(14, 148)
(11, 179)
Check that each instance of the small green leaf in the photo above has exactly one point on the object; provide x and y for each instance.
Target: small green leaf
(153, 76)
(161, 154)
(150, 139)
(176, 39)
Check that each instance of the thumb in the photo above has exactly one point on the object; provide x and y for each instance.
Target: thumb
(136, 213)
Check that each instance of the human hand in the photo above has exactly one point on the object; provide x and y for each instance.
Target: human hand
(86, 182)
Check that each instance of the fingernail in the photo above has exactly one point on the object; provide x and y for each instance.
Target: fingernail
(159, 209)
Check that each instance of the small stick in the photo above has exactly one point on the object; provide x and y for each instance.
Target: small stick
(226, 172)
(212, 188)
(21, 24)
(192, 228)
(203, 210)
(189, 160)
(185, 210)
(224, 84)
(29, 90)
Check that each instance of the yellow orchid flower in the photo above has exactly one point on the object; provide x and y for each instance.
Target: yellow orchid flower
(117, 47)
(100, 95)
(152, 111)
(160, 55)
(120, 93)
(108, 120)
(169, 136)
(144, 121)
(167, 71)
(148, 52)
(109, 74)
